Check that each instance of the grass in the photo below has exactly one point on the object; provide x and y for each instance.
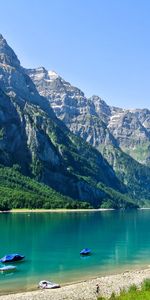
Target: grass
(133, 293)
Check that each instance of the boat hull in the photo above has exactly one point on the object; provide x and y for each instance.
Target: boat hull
(44, 284)
(11, 258)
(7, 269)
(85, 252)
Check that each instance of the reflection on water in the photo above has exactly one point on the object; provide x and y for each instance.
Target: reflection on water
(52, 243)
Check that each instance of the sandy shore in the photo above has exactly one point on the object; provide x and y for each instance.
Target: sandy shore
(86, 290)
(24, 210)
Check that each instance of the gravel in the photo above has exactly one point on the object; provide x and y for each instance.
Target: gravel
(86, 290)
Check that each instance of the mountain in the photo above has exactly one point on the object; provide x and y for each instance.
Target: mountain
(92, 119)
(44, 149)
(122, 136)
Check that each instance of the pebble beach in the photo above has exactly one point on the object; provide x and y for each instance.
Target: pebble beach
(86, 290)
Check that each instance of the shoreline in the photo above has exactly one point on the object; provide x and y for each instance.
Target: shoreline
(25, 210)
(62, 210)
(144, 208)
(87, 289)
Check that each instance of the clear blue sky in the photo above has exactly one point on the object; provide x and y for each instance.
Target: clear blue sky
(101, 46)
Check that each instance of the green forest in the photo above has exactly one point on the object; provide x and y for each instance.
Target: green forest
(18, 191)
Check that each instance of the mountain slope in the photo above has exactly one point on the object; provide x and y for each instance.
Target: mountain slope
(18, 191)
(129, 129)
(113, 131)
(32, 137)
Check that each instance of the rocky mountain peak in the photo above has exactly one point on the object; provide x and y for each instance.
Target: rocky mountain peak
(7, 55)
(15, 82)
(1, 37)
(101, 107)
(38, 74)
(53, 75)
(96, 98)
(94, 120)
(51, 85)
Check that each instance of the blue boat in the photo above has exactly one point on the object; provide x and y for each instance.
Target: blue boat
(85, 251)
(11, 258)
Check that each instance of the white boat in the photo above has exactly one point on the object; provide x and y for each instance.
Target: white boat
(7, 268)
(45, 284)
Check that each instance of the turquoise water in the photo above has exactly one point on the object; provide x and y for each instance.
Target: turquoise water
(51, 243)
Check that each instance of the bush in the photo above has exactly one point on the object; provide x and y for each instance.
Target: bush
(113, 296)
(146, 285)
(133, 288)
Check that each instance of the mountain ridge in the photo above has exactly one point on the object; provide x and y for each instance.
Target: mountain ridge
(121, 135)
(32, 137)
(66, 99)
(130, 128)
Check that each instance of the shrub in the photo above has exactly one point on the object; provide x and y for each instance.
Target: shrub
(146, 285)
(113, 296)
(133, 288)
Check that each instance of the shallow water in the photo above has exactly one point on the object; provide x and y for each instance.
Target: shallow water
(51, 243)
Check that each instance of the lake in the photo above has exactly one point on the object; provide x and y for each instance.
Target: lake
(51, 243)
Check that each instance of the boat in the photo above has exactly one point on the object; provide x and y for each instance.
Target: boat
(11, 258)
(45, 284)
(85, 251)
(7, 268)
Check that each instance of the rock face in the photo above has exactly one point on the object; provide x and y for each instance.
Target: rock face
(93, 120)
(84, 117)
(32, 136)
(122, 136)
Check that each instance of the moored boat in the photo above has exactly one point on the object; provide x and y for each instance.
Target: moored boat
(11, 258)
(45, 284)
(7, 268)
(85, 251)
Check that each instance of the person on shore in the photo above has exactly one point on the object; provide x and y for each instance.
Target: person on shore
(97, 288)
